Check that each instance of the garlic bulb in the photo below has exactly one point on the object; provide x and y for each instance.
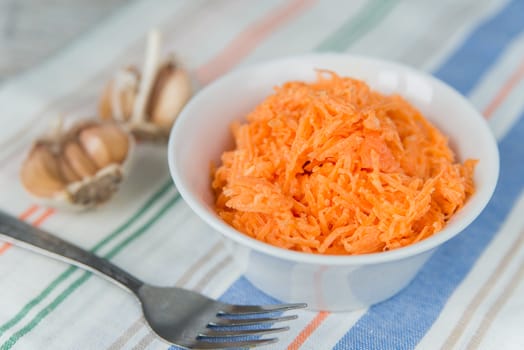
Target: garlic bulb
(81, 167)
(147, 102)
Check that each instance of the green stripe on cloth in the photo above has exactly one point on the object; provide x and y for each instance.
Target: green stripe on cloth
(35, 301)
(57, 281)
(357, 26)
(43, 313)
(78, 282)
(152, 200)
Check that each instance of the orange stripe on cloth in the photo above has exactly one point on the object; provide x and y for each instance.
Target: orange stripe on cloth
(46, 214)
(28, 212)
(243, 44)
(306, 332)
(504, 91)
(4, 248)
(37, 222)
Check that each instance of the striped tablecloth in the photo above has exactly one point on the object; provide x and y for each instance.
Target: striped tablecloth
(469, 295)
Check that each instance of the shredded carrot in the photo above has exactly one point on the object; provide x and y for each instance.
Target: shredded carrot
(333, 167)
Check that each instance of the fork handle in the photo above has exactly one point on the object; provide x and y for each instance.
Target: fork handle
(22, 234)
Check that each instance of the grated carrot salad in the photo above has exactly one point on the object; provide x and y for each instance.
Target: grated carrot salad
(333, 167)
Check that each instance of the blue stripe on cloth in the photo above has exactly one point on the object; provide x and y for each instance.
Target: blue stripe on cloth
(462, 68)
(243, 292)
(402, 321)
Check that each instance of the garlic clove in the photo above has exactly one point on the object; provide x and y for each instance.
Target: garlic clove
(117, 141)
(105, 109)
(171, 92)
(105, 144)
(40, 172)
(67, 172)
(78, 160)
(96, 146)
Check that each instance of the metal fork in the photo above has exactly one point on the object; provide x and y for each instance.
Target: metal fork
(179, 316)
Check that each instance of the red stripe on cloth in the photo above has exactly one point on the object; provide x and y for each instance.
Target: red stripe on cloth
(504, 91)
(4, 248)
(28, 212)
(308, 330)
(46, 214)
(243, 44)
(37, 222)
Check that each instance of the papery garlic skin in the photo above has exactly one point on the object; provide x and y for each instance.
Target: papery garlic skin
(118, 98)
(82, 167)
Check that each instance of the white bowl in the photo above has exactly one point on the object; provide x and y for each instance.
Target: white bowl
(332, 283)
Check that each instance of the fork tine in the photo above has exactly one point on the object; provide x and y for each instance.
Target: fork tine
(232, 344)
(241, 332)
(256, 309)
(227, 322)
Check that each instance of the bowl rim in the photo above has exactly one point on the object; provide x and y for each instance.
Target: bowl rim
(212, 219)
